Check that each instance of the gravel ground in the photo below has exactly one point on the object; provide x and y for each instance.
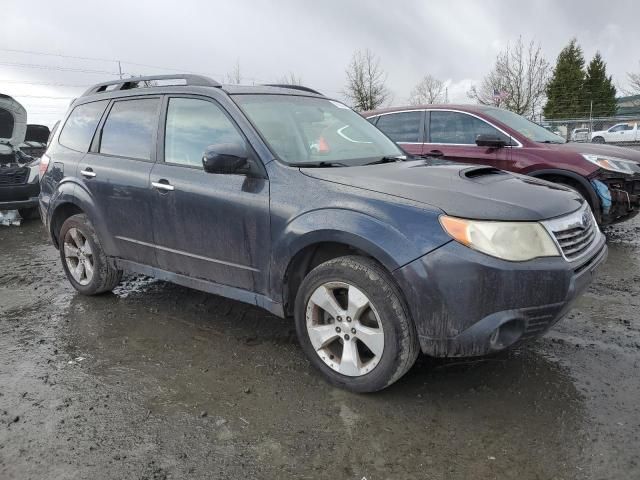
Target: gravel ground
(157, 381)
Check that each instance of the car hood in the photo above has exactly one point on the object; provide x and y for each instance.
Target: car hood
(599, 149)
(13, 121)
(467, 191)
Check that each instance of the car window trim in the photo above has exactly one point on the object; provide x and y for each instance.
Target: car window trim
(428, 137)
(421, 128)
(97, 140)
(258, 169)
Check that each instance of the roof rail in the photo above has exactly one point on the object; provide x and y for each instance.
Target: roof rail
(293, 87)
(133, 82)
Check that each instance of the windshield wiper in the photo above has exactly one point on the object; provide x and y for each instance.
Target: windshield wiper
(388, 159)
(317, 164)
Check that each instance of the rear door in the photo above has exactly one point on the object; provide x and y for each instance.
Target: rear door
(452, 136)
(210, 226)
(406, 128)
(116, 173)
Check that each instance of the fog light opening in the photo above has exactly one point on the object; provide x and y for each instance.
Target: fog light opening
(506, 334)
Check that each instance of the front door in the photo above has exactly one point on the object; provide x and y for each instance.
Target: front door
(210, 226)
(116, 173)
(452, 136)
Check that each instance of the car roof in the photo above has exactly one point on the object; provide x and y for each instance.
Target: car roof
(464, 107)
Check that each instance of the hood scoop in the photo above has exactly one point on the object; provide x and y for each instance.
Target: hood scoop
(482, 174)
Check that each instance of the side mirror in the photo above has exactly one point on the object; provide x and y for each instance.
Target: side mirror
(226, 158)
(492, 141)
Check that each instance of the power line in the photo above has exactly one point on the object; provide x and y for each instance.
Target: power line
(44, 83)
(51, 67)
(42, 96)
(31, 52)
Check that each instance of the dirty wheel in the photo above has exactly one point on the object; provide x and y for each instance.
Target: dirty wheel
(83, 259)
(354, 326)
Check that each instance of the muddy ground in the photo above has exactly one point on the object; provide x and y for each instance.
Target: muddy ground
(157, 381)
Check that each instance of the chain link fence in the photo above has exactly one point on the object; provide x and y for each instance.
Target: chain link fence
(621, 130)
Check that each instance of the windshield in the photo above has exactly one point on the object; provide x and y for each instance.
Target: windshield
(309, 130)
(531, 130)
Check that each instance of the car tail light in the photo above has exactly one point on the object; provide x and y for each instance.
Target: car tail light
(44, 165)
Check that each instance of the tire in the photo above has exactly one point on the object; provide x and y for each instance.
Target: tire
(374, 368)
(78, 233)
(597, 140)
(29, 213)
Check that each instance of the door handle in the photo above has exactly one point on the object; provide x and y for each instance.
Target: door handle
(88, 172)
(435, 153)
(163, 185)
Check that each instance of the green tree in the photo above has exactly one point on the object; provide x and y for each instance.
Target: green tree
(565, 89)
(599, 89)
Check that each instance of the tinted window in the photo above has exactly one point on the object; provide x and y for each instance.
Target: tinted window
(401, 127)
(192, 125)
(456, 127)
(79, 128)
(128, 131)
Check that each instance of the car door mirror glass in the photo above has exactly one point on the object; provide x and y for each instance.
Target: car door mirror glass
(490, 141)
(226, 158)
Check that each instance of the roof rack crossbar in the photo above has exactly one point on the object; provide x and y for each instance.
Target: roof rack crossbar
(127, 83)
(293, 87)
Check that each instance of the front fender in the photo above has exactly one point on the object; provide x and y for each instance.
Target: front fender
(384, 241)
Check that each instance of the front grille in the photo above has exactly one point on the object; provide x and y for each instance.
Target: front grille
(13, 176)
(574, 233)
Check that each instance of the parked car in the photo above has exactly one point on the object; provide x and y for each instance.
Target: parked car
(580, 135)
(35, 141)
(19, 187)
(622, 132)
(288, 200)
(607, 177)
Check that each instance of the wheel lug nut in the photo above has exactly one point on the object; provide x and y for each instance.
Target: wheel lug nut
(348, 319)
(353, 330)
(338, 329)
(339, 318)
(346, 337)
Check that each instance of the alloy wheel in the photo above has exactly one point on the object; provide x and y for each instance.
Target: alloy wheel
(79, 256)
(344, 329)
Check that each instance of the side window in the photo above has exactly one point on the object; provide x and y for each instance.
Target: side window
(401, 126)
(373, 120)
(79, 128)
(128, 130)
(460, 128)
(192, 125)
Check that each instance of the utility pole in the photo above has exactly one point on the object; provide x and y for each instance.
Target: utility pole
(446, 94)
(120, 69)
(591, 118)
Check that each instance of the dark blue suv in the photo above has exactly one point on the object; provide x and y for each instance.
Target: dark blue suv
(283, 198)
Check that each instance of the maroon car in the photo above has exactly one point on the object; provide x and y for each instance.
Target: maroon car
(607, 176)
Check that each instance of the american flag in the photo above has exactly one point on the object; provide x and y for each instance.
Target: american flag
(498, 95)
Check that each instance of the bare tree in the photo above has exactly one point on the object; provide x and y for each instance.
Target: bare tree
(290, 79)
(634, 83)
(234, 78)
(517, 81)
(366, 88)
(429, 90)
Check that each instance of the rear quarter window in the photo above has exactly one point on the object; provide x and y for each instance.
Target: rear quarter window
(79, 128)
(401, 127)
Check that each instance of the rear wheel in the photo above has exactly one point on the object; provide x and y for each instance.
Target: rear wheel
(83, 259)
(597, 140)
(353, 324)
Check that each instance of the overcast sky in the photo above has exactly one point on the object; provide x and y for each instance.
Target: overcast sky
(456, 41)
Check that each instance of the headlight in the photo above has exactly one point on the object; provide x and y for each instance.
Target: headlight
(613, 164)
(514, 241)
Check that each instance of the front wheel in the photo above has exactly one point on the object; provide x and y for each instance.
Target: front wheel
(354, 326)
(83, 259)
(597, 140)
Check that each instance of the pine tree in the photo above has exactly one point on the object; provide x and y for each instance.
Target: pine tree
(599, 89)
(565, 89)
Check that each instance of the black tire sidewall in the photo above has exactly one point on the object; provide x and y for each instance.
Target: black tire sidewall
(388, 304)
(80, 222)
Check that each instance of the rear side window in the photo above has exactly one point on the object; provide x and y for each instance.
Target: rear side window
(192, 125)
(460, 128)
(401, 126)
(79, 128)
(128, 130)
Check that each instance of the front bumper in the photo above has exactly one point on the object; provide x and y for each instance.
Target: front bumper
(465, 303)
(14, 197)
(619, 196)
